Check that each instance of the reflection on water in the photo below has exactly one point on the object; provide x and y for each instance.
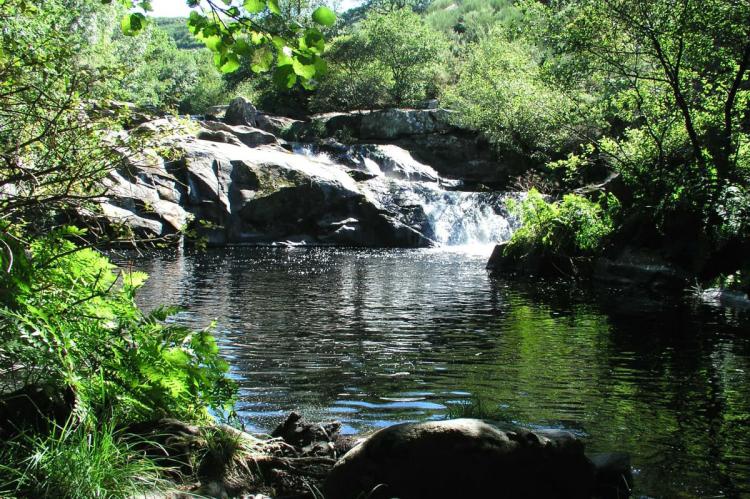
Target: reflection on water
(376, 337)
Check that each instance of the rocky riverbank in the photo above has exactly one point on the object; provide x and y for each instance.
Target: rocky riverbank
(231, 178)
(453, 458)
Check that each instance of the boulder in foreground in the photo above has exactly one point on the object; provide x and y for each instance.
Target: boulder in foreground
(469, 458)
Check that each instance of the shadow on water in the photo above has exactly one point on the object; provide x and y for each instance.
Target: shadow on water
(377, 337)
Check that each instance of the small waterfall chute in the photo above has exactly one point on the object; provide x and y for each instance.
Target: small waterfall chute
(415, 194)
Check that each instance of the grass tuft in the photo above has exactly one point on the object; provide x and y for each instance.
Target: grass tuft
(77, 461)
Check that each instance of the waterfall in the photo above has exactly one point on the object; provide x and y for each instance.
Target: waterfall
(416, 195)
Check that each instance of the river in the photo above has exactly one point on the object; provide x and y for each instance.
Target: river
(375, 337)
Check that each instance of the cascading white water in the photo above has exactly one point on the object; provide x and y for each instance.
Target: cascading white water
(416, 194)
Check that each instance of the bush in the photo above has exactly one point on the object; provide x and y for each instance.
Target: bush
(571, 228)
(389, 60)
(354, 81)
(84, 331)
(471, 20)
(501, 91)
(209, 88)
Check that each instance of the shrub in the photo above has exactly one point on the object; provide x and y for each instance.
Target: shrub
(354, 81)
(209, 88)
(574, 227)
(501, 91)
(390, 59)
(69, 320)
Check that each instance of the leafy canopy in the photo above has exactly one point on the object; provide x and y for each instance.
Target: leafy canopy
(254, 29)
(389, 58)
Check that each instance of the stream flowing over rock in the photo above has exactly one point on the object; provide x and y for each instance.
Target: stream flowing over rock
(230, 182)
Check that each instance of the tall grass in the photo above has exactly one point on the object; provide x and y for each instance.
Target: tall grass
(76, 461)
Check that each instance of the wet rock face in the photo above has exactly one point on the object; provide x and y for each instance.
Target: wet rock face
(463, 458)
(428, 134)
(238, 185)
(394, 123)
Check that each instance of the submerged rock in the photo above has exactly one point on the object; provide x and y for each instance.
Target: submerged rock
(314, 439)
(430, 135)
(641, 268)
(464, 458)
(725, 298)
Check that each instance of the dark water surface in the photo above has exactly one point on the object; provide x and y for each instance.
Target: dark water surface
(372, 338)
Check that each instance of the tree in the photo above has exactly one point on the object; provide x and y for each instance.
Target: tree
(683, 62)
(68, 319)
(407, 48)
(501, 90)
(355, 79)
(387, 59)
(388, 6)
(52, 150)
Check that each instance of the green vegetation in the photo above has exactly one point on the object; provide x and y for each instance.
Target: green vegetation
(501, 91)
(653, 92)
(260, 30)
(86, 334)
(77, 461)
(561, 232)
(389, 59)
(472, 20)
(78, 358)
(178, 31)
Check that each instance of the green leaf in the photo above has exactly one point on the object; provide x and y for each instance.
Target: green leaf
(313, 40)
(230, 64)
(213, 43)
(285, 56)
(273, 6)
(242, 48)
(254, 6)
(262, 60)
(302, 68)
(308, 84)
(324, 16)
(176, 356)
(321, 66)
(284, 77)
(257, 38)
(196, 22)
(132, 24)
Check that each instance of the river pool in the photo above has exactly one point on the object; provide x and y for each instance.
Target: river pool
(375, 337)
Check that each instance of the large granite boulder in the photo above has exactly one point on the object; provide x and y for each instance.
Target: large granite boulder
(143, 195)
(429, 135)
(235, 184)
(276, 125)
(387, 124)
(463, 458)
(241, 112)
(249, 136)
(390, 124)
(465, 156)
